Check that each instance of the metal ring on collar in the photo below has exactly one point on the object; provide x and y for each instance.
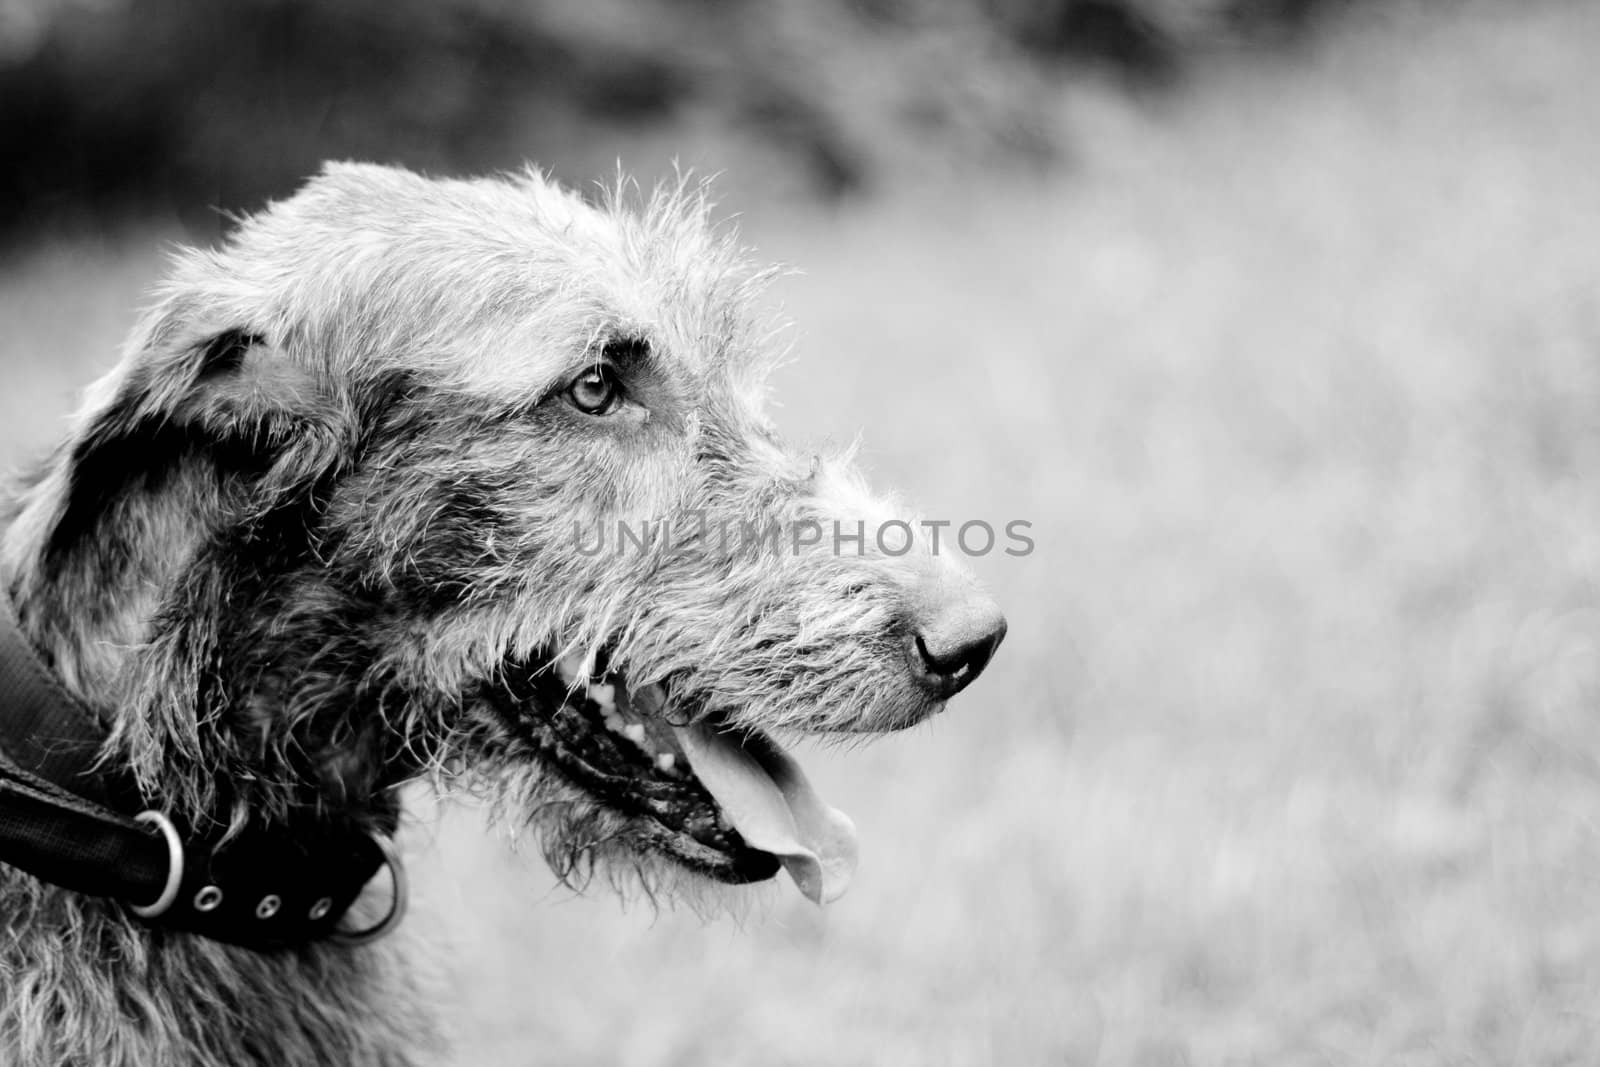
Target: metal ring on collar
(397, 903)
(169, 892)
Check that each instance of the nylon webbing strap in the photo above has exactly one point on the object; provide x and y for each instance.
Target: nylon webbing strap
(77, 846)
(44, 728)
(55, 819)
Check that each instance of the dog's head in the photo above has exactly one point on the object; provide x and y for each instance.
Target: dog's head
(474, 476)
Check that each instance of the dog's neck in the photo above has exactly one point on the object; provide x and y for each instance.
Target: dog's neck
(112, 565)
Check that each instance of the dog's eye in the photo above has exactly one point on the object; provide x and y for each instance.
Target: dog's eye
(595, 392)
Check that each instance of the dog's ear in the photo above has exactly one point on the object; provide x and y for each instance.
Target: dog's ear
(227, 396)
(233, 392)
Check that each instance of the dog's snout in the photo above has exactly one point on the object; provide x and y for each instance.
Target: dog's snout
(953, 644)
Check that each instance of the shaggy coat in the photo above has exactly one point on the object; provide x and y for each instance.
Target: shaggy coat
(320, 533)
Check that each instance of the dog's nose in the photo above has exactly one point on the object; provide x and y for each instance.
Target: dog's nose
(953, 646)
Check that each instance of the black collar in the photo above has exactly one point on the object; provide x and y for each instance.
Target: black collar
(66, 820)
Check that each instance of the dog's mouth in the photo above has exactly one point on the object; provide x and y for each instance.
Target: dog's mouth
(726, 801)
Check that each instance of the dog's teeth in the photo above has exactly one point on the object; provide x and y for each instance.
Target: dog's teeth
(666, 761)
(604, 695)
(635, 732)
(615, 723)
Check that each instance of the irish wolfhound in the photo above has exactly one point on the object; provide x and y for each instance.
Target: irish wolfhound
(363, 503)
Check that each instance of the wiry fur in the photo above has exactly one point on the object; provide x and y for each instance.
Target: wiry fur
(331, 491)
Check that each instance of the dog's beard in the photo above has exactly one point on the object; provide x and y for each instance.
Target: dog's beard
(644, 778)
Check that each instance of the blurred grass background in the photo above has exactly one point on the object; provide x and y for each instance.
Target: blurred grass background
(1288, 344)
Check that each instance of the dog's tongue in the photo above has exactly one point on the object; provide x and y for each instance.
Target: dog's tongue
(766, 797)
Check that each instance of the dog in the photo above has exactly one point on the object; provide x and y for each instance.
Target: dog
(457, 480)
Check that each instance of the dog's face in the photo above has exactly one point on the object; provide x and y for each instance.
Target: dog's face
(493, 490)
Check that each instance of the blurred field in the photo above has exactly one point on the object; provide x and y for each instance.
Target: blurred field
(1291, 755)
